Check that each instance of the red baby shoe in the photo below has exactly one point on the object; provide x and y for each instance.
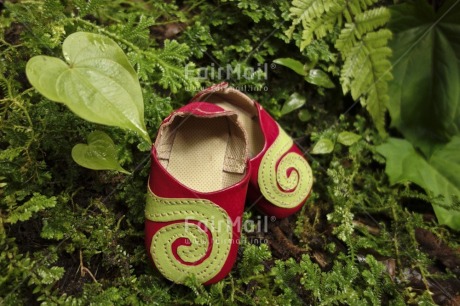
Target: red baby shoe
(281, 178)
(196, 193)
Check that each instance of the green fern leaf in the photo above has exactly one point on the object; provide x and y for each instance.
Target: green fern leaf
(363, 23)
(372, 19)
(316, 16)
(136, 31)
(362, 46)
(171, 62)
(347, 38)
(87, 7)
(53, 8)
(365, 74)
(355, 7)
(36, 203)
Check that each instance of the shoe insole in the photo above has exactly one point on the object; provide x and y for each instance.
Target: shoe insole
(256, 140)
(198, 153)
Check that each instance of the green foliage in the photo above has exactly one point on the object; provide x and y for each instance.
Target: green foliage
(346, 283)
(98, 83)
(136, 29)
(312, 76)
(99, 154)
(286, 274)
(348, 138)
(168, 61)
(295, 101)
(252, 261)
(323, 146)
(424, 99)
(320, 78)
(36, 203)
(348, 188)
(424, 94)
(15, 266)
(292, 64)
(438, 175)
(362, 45)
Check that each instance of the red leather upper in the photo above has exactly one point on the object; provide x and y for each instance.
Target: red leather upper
(271, 130)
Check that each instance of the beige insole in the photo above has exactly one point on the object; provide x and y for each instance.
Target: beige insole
(256, 140)
(198, 154)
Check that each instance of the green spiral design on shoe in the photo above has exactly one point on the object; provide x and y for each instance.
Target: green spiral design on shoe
(181, 211)
(287, 184)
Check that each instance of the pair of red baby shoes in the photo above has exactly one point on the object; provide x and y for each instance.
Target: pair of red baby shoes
(209, 158)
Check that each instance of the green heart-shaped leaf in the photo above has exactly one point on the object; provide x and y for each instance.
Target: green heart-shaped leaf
(97, 83)
(99, 154)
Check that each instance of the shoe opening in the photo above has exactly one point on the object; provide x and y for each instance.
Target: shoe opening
(205, 154)
(234, 100)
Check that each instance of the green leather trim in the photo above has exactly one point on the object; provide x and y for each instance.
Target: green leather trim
(213, 217)
(293, 188)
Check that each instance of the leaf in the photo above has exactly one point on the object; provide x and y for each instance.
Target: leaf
(424, 95)
(99, 154)
(362, 44)
(50, 276)
(304, 115)
(292, 64)
(295, 101)
(323, 146)
(97, 83)
(438, 175)
(348, 138)
(320, 78)
(317, 18)
(170, 62)
(365, 73)
(36, 203)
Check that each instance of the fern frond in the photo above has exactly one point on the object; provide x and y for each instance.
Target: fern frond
(372, 19)
(363, 23)
(36, 203)
(355, 8)
(308, 34)
(87, 7)
(134, 30)
(367, 3)
(365, 74)
(347, 38)
(362, 46)
(378, 39)
(171, 62)
(317, 17)
(304, 10)
(53, 8)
